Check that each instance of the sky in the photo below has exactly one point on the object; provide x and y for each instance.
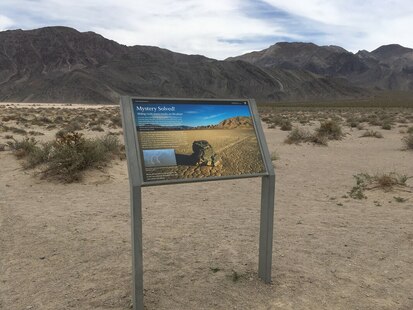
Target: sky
(223, 28)
(191, 114)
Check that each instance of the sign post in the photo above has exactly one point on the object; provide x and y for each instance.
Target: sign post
(171, 141)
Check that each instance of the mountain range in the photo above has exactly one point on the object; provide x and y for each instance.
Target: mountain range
(60, 64)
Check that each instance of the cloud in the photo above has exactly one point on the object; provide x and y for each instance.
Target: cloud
(222, 28)
(5, 22)
(354, 24)
(213, 116)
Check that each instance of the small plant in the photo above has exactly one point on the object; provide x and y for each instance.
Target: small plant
(298, 135)
(400, 199)
(235, 276)
(68, 156)
(410, 130)
(384, 181)
(22, 148)
(286, 125)
(357, 192)
(274, 156)
(372, 133)
(97, 128)
(331, 129)
(408, 141)
(386, 126)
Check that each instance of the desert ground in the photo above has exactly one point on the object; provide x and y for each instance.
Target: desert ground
(238, 150)
(67, 245)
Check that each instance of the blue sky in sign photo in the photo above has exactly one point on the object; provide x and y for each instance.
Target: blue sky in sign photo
(222, 28)
(192, 115)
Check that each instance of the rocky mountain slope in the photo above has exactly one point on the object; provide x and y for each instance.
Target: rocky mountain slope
(59, 64)
(389, 67)
(235, 122)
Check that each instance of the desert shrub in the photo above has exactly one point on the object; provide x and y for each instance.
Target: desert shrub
(73, 126)
(21, 148)
(35, 133)
(286, 125)
(360, 126)
(19, 131)
(45, 120)
(116, 121)
(331, 129)
(386, 126)
(58, 119)
(51, 126)
(67, 157)
(72, 154)
(2, 147)
(384, 181)
(97, 128)
(37, 155)
(275, 156)
(408, 141)
(319, 139)
(410, 130)
(298, 135)
(371, 133)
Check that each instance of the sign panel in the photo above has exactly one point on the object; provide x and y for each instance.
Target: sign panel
(184, 140)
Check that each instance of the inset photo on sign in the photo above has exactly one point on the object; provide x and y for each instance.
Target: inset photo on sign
(189, 140)
(159, 158)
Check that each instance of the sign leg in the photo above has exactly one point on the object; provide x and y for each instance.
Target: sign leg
(137, 263)
(266, 228)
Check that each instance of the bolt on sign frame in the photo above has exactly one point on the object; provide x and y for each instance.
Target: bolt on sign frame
(137, 180)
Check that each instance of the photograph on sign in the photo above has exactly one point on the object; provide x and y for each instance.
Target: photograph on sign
(190, 140)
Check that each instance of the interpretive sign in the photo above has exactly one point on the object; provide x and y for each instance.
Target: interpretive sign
(171, 141)
(188, 140)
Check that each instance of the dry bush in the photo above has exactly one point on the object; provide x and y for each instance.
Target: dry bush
(408, 141)
(97, 128)
(298, 135)
(383, 181)
(286, 125)
(371, 133)
(331, 129)
(23, 147)
(386, 126)
(66, 158)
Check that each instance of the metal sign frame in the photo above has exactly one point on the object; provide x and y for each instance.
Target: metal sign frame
(136, 182)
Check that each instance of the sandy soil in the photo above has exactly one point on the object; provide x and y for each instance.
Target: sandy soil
(68, 246)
